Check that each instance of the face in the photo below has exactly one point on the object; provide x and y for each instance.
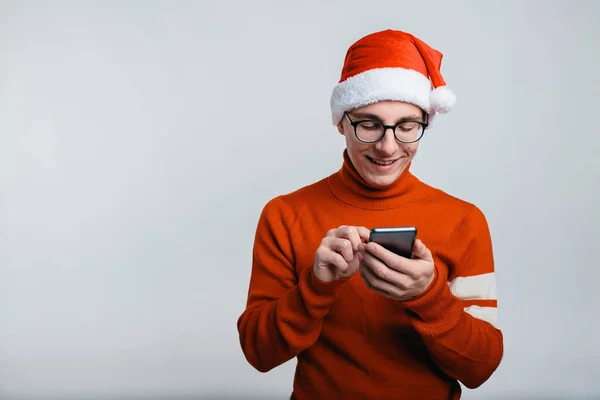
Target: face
(382, 162)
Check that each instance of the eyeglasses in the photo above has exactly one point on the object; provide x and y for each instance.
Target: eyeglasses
(370, 131)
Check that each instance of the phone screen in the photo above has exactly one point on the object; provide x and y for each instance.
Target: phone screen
(398, 240)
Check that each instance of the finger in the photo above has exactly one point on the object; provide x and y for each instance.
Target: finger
(377, 267)
(353, 234)
(336, 231)
(362, 248)
(383, 272)
(421, 251)
(392, 260)
(364, 233)
(335, 259)
(380, 292)
(366, 276)
(341, 246)
(374, 282)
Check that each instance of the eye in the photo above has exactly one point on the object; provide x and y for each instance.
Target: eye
(371, 125)
(408, 126)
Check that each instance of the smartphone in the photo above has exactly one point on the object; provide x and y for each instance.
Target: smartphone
(399, 240)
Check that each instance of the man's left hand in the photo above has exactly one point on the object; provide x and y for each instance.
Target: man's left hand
(394, 276)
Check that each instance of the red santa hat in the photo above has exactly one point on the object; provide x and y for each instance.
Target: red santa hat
(391, 65)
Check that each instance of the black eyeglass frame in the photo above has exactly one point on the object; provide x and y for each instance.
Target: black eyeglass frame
(385, 128)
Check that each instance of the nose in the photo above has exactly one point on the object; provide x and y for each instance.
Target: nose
(388, 144)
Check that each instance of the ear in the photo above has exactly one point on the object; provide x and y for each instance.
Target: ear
(340, 128)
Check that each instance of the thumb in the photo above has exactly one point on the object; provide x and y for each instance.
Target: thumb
(421, 251)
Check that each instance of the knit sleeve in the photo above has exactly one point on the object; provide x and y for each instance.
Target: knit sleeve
(284, 310)
(457, 315)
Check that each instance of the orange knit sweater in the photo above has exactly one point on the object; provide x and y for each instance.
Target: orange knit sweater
(350, 342)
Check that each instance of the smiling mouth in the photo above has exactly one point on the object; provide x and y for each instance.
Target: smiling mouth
(381, 162)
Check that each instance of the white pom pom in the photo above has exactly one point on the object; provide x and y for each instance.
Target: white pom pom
(442, 99)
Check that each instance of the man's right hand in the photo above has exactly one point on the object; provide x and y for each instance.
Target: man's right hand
(336, 258)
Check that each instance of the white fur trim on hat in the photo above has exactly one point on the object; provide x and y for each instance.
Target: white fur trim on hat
(442, 99)
(381, 84)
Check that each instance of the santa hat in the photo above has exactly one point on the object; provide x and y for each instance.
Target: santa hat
(391, 65)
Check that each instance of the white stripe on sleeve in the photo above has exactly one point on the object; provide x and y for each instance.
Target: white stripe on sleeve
(477, 287)
(487, 314)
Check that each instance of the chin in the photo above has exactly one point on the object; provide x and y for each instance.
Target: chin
(382, 180)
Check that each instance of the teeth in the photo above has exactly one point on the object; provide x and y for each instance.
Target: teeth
(382, 162)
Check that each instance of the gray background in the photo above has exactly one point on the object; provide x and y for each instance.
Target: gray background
(139, 142)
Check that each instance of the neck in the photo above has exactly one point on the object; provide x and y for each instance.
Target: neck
(351, 188)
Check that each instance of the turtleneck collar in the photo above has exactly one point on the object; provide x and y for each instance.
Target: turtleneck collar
(350, 187)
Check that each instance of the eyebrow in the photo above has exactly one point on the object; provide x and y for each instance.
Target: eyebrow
(413, 117)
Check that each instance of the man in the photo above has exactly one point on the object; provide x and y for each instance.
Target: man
(363, 322)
